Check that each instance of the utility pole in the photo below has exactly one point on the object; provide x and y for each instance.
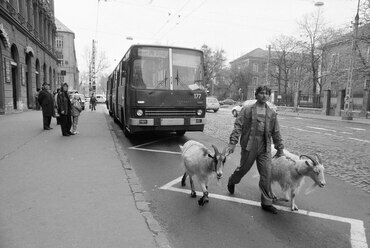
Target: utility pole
(268, 65)
(92, 82)
(348, 100)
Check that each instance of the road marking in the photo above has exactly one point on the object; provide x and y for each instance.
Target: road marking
(333, 135)
(321, 128)
(152, 142)
(152, 150)
(357, 129)
(358, 235)
(366, 141)
(346, 132)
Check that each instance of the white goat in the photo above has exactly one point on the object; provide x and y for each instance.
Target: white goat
(198, 161)
(289, 171)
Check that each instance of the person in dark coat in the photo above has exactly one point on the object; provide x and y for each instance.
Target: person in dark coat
(46, 101)
(64, 110)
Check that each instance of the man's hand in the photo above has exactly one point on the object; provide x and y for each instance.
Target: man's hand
(279, 153)
(230, 149)
(62, 112)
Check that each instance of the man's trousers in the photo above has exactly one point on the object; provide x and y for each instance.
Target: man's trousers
(257, 153)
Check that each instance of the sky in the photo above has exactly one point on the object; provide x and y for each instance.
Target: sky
(236, 26)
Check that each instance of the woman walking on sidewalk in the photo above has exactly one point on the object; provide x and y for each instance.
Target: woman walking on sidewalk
(93, 101)
(76, 110)
(64, 110)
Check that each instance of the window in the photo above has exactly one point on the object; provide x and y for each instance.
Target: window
(60, 59)
(255, 67)
(59, 41)
(368, 54)
(60, 79)
(255, 80)
(334, 60)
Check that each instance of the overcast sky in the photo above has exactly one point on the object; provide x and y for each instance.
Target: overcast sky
(237, 26)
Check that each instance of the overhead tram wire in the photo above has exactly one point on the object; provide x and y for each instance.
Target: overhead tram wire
(170, 18)
(192, 12)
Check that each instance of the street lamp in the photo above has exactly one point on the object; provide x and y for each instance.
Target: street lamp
(348, 100)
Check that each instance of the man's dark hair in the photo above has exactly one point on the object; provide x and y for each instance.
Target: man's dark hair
(261, 88)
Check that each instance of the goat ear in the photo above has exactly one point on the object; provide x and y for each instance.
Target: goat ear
(209, 155)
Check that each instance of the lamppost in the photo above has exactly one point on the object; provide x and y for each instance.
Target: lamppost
(348, 100)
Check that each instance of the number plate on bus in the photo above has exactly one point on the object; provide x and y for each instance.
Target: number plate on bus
(172, 122)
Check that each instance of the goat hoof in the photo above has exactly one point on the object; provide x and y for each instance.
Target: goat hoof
(183, 184)
(203, 201)
(193, 194)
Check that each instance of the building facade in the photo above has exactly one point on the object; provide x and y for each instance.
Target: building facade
(27, 52)
(66, 54)
(335, 72)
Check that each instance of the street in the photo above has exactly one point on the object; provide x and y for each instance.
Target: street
(100, 189)
(333, 213)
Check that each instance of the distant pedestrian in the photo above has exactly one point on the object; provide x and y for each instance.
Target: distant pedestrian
(57, 116)
(93, 101)
(76, 110)
(64, 110)
(36, 98)
(46, 101)
(256, 125)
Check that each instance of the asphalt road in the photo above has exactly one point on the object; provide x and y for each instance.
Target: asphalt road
(335, 216)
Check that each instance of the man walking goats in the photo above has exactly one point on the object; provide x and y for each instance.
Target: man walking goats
(256, 125)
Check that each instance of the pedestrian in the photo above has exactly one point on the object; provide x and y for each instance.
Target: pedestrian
(76, 110)
(93, 101)
(64, 110)
(46, 101)
(256, 125)
(36, 98)
(57, 116)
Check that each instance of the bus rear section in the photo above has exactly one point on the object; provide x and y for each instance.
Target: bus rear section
(164, 90)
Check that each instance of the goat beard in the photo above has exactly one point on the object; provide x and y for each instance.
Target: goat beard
(310, 189)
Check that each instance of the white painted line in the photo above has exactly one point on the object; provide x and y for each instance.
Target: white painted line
(366, 141)
(152, 150)
(152, 142)
(346, 132)
(321, 128)
(333, 135)
(358, 235)
(299, 129)
(357, 129)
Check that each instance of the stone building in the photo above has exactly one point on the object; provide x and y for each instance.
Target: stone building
(66, 54)
(335, 71)
(283, 73)
(27, 41)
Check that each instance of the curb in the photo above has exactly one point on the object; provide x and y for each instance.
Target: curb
(138, 194)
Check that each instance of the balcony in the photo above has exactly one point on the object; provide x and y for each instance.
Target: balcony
(21, 19)
(10, 8)
(29, 26)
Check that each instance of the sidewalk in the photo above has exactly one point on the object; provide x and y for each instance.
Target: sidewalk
(71, 191)
(324, 117)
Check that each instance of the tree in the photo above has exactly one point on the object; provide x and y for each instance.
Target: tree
(101, 65)
(214, 62)
(285, 59)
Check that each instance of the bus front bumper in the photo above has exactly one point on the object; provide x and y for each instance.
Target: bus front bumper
(166, 122)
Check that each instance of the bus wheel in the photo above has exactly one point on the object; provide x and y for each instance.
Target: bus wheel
(180, 133)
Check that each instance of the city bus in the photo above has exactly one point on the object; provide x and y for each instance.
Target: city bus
(158, 88)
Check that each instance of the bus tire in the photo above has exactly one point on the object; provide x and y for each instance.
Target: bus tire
(180, 133)
(127, 133)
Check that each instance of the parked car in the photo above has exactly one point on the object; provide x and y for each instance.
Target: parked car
(212, 104)
(81, 99)
(236, 109)
(100, 98)
(227, 102)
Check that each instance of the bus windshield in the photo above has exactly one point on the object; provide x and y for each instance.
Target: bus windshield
(151, 69)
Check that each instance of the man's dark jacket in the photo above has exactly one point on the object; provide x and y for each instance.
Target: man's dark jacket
(46, 101)
(245, 127)
(64, 104)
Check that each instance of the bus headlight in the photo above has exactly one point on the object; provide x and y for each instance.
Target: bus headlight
(199, 112)
(139, 112)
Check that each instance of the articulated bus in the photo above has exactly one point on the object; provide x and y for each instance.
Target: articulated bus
(158, 88)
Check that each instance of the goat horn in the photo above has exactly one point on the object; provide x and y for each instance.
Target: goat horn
(310, 158)
(215, 148)
(319, 158)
